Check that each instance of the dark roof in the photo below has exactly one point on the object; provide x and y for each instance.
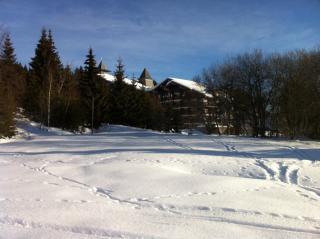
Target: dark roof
(145, 75)
(102, 67)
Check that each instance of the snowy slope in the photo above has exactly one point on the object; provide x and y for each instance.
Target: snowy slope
(131, 183)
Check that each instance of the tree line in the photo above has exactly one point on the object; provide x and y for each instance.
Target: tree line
(59, 96)
(261, 94)
(254, 93)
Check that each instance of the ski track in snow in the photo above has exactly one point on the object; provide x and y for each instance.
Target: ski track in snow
(102, 233)
(180, 209)
(281, 172)
(146, 203)
(258, 225)
(175, 143)
(90, 189)
(99, 192)
(88, 231)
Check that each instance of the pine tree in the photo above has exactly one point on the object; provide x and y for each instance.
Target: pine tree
(14, 72)
(93, 92)
(119, 98)
(7, 109)
(35, 80)
(119, 73)
(8, 77)
(66, 107)
(130, 106)
(54, 73)
(90, 76)
(7, 54)
(45, 78)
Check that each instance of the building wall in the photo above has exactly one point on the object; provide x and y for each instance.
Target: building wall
(149, 83)
(185, 108)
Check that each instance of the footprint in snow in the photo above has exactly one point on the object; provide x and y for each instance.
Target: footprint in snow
(258, 213)
(309, 219)
(61, 200)
(287, 216)
(274, 214)
(204, 208)
(228, 210)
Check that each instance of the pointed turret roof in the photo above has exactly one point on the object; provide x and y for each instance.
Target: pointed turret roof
(102, 67)
(145, 75)
(146, 79)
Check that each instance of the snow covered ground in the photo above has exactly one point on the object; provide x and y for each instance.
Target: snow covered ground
(130, 183)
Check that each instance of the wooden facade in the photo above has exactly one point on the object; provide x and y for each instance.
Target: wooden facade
(186, 103)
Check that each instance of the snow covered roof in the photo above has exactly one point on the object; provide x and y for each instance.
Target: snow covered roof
(112, 78)
(192, 85)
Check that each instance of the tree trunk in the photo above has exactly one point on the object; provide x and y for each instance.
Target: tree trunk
(49, 98)
(92, 113)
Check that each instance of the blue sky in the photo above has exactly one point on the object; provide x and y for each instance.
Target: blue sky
(170, 38)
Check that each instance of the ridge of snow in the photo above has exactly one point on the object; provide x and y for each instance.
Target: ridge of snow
(192, 85)
(112, 78)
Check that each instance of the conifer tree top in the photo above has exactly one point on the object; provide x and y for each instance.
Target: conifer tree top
(46, 54)
(119, 73)
(90, 78)
(90, 62)
(7, 53)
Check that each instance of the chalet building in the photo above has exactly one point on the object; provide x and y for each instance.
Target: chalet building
(187, 104)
